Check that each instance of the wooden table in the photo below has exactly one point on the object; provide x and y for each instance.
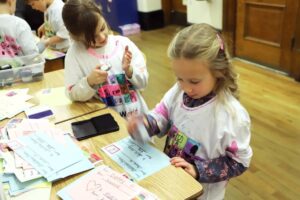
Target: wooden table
(61, 112)
(55, 64)
(169, 183)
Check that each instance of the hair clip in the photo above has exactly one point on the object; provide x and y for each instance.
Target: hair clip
(221, 42)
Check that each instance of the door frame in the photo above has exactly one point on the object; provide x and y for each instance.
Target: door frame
(296, 50)
(229, 24)
(178, 17)
(166, 6)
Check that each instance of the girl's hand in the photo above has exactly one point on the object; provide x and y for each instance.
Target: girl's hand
(41, 31)
(126, 62)
(132, 123)
(4, 147)
(186, 166)
(45, 41)
(97, 76)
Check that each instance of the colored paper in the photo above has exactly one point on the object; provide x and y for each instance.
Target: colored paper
(37, 193)
(22, 174)
(43, 153)
(16, 187)
(12, 102)
(53, 97)
(50, 54)
(104, 183)
(17, 128)
(138, 160)
(83, 165)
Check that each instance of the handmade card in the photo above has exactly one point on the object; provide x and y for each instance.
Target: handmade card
(104, 183)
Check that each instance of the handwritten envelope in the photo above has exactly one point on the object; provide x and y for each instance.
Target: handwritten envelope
(83, 165)
(138, 160)
(43, 153)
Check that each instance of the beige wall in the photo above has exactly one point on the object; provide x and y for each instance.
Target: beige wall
(205, 12)
(149, 5)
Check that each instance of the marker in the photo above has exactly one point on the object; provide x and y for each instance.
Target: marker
(104, 65)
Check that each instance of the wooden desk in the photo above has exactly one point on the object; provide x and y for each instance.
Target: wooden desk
(169, 183)
(62, 112)
(55, 64)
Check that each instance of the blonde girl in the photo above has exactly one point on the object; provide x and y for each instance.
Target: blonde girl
(208, 130)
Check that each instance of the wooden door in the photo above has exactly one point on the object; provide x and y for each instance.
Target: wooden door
(174, 12)
(265, 31)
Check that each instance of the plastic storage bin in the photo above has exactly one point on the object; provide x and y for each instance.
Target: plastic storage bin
(119, 12)
(130, 29)
(22, 69)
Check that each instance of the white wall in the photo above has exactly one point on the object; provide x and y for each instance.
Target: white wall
(149, 5)
(210, 12)
(205, 11)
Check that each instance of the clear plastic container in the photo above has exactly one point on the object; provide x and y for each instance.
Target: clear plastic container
(23, 69)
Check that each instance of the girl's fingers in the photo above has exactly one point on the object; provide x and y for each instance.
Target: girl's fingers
(179, 162)
(102, 73)
(176, 159)
(182, 164)
(128, 57)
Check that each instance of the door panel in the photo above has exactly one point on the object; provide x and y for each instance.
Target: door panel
(263, 31)
(261, 14)
(178, 6)
(173, 8)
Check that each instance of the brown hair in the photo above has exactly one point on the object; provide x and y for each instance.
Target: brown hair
(202, 41)
(81, 19)
(3, 1)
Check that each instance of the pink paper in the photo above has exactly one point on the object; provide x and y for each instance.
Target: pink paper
(103, 183)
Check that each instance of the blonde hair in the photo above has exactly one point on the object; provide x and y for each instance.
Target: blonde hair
(202, 41)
